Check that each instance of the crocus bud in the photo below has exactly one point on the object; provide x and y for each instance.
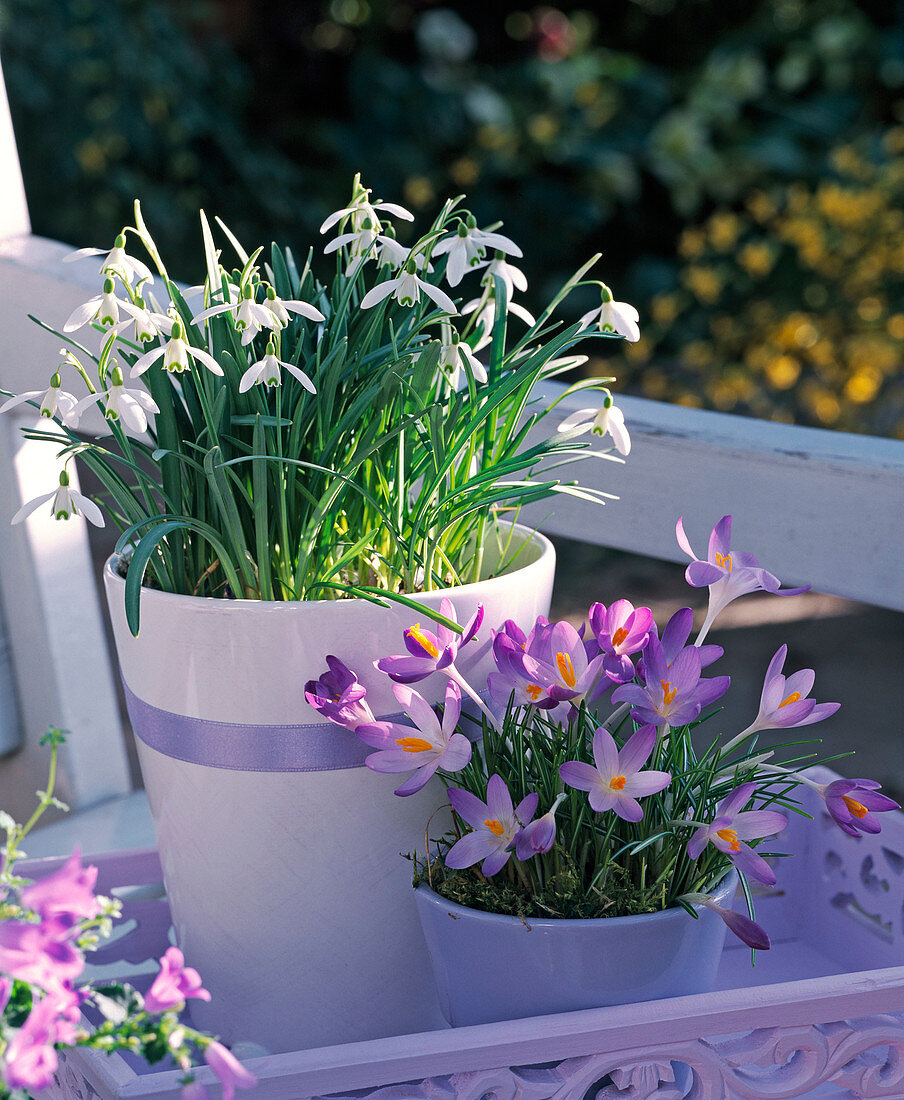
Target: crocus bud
(540, 835)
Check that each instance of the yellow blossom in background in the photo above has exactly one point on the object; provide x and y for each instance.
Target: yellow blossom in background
(791, 306)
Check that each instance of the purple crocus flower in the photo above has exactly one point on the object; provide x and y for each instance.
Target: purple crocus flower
(194, 1090)
(729, 829)
(67, 895)
(616, 782)
(540, 835)
(338, 696)
(673, 692)
(853, 802)
(228, 1068)
(552, 662)
(726, 574)
(429, 652)
(513, 674)
(784, 702)
(747, 930)
(496, 825)
(439, 746)
(620, 630)
(174, 984)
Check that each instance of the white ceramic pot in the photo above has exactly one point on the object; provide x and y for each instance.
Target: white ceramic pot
(287, 888)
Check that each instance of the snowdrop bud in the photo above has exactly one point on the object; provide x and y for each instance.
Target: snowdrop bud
(176, 333)
(463, 229)
(108, 285)
(116, 376)
(411, 266)
(605, 293)
(64, 478)
(120, 241)
(247, 292)
(472, 224)
(55, 380)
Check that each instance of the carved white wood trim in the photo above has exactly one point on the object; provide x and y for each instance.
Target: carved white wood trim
(13, 207)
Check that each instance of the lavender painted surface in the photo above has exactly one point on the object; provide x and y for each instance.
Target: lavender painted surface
(490, 967)
(821, 1016)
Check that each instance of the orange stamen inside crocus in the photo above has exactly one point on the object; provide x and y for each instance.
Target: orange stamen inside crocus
(724, 563)
(494, 826)
(731, 838)
(619, 636)
(534, 691)
(566, 669)
(856, 808)
(617, 783)
(668, 692)
(792, 698)
(413, 744)
(422, 640)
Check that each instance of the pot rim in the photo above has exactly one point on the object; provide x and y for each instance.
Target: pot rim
(547, 550)
(728, 886)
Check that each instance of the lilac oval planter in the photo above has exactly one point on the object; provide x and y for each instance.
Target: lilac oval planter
(489, 967)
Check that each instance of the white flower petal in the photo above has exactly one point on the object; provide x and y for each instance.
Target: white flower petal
(301, 376)
(442, 300)
(80, 253)
(305, 310)
(394, 208)
(31, 395)
(497, 241)
(583, 417)
(87, 507)
(251, 375)
(378, 293)
(82, 314)
(31, 506)
(212, 311)
(143, 362)
(206, 358)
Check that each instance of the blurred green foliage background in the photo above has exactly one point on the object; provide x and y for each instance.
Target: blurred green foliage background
(740, 163)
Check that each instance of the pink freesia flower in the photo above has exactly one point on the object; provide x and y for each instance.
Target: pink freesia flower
(853, 802)
(229, 1069)
(438, 746)
(30, 1060)
(39, 953)
(728, 575)
(729, 829)
(496, 824)
(616, 782)
(620, 630)
(673, 692)
(194, 1090)
(67, 895)
(784, 702)
(338, 696)
(429, 652)
(173, 984)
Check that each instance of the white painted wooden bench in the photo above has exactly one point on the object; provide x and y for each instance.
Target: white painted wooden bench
(820, 506)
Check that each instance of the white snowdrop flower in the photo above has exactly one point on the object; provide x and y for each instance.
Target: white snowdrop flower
(103, 308)
(280, 308)
(361, 209)
(250, 316)
(116, 262)
(454, 354)
(123, 403)
(176, 353)
(266, 372)
(66, 502)
(467, 249)
(55, 401)
(148, 324)
(360, 245)
(512, 276)
(406, 289)
(608, 420)
(613, 316)
(486, 315)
